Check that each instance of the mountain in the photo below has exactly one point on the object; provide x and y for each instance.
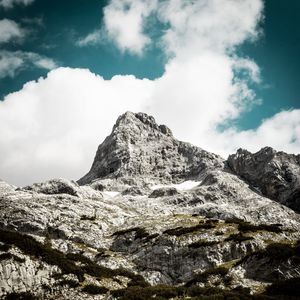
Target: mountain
(138, 148)
(155, 218)
(275, 174)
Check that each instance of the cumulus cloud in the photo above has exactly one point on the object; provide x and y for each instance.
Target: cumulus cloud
(125, 21)
(52, 126)
(10, 30)
(11, 3)
(12, 62)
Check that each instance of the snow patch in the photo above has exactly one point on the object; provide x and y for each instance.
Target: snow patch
(183, 186)
(111, 193)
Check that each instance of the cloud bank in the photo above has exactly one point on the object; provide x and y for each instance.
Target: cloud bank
(53, 126)
(7, 4)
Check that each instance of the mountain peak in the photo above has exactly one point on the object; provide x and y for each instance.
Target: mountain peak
(140, 148)
(141, 121)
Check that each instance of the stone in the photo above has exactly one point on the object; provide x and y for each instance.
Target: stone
(154, 210)
(275, 174)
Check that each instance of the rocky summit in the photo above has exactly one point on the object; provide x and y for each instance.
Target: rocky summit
(156, 218)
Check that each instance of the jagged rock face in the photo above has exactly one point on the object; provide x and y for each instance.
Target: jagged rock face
(275, 174)
(152, 210)
(55, 186)
(138, 147)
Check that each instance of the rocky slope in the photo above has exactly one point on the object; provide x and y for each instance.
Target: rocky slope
(275, 174)
(138, 148)
(154, 217)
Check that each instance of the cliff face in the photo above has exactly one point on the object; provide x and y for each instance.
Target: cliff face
(153, 210)
(275, 174)
(139, 148)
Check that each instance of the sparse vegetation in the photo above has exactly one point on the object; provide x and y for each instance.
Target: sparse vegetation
(102, 253)
(247, 227)
(244, 226)
(185, 230)
(89, 218)
(276, 251)
(93, 289)
(203, 243)
(219, 232)
(162, 292)
(203, 277)
(69, 282)
(238, 237)
(139, 232)
(289, 287)
(5, 256)
(279, 251)
(4, 247)
(21, 296)
(67, 263)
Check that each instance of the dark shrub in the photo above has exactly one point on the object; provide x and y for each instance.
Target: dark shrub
(279, 251)
(290, 287)
(69, 282)
(88, 218)
(246, 227)
(139, 232)
(185, 230)
(203, 277)
(203, 243)
(5, 247)
(5, 256)
(21, 296)
(237, 237)
(94, 289)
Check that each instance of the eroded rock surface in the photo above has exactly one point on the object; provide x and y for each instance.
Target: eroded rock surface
(275, 174)
(151, 211)
(139, 148)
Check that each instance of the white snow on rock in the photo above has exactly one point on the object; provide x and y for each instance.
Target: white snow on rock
(183, 186)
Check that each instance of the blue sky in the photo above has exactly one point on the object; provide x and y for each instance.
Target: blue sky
(221, 74)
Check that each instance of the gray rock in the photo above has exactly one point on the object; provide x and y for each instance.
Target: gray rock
(162, 192)
(275, 174)
(54, 186)
(141, 149)
(147, 206)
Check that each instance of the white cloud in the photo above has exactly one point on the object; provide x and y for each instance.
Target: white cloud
(10, 30)
(59, 122)
(92, 38)
(13, 62)
(9, 64)
(124, 21)
(11, 3)
(282, 132)
(52, 127)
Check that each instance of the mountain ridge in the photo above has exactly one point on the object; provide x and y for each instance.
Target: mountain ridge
(155, 218)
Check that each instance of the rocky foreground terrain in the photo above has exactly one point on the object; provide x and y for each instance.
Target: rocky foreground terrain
(156, 218)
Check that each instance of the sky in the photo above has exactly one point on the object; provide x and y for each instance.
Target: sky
(222, 74)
